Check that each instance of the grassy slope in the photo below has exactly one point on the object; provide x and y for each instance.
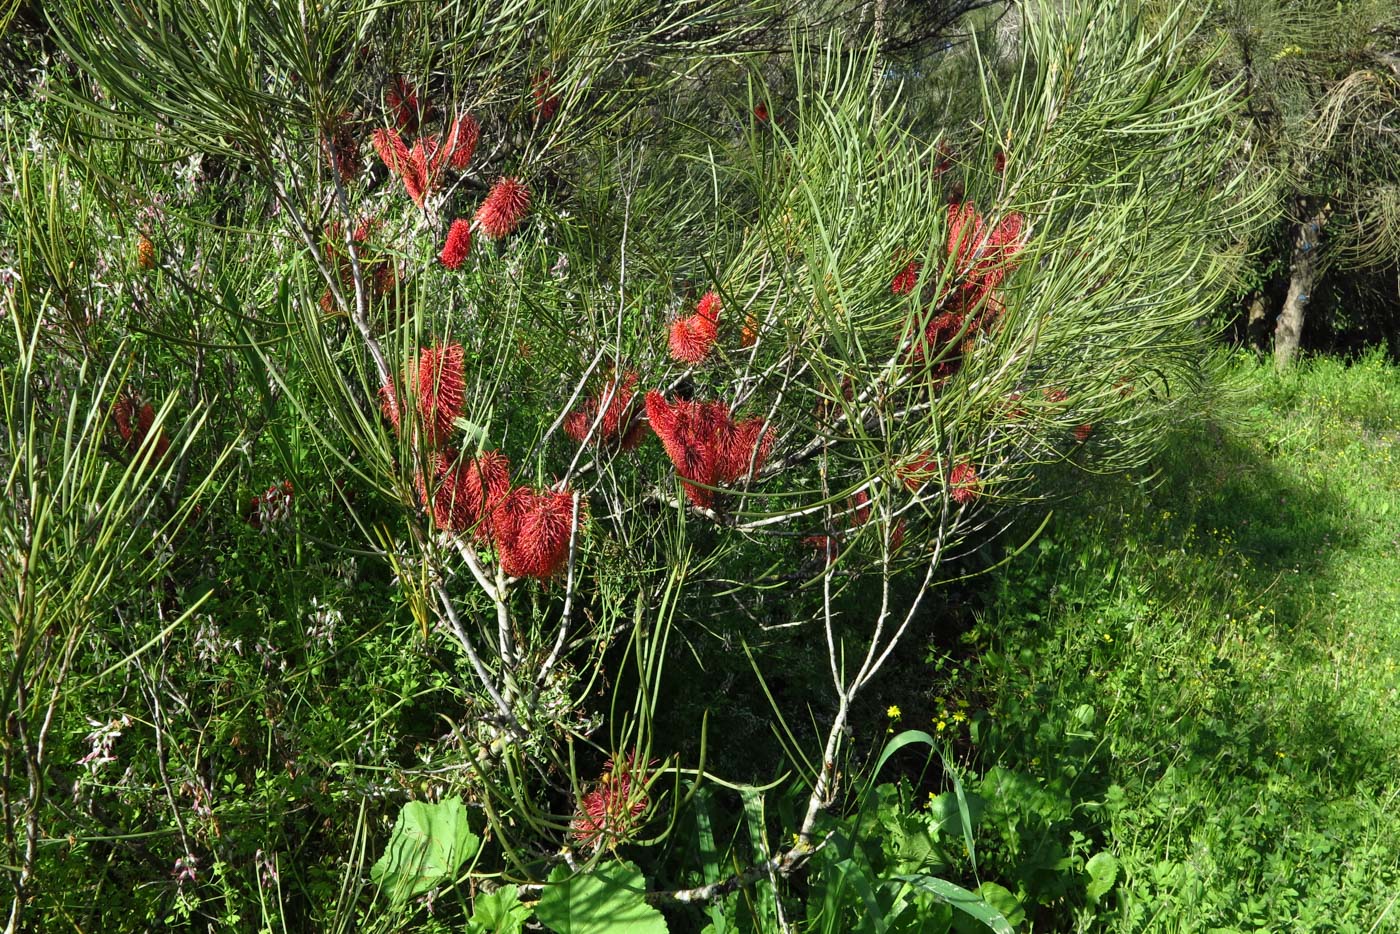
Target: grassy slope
(1202, 677)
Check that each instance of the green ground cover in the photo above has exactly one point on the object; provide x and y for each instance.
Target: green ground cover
(1198, 676)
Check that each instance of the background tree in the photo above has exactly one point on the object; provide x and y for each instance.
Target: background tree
(1323, 82)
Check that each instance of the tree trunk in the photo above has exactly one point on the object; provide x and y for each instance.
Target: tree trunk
(1256, 329)
(1302, 275)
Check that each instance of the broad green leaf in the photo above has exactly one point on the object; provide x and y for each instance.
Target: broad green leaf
(429, 844)
(1103, 872)
(498, 912)
(973, 904)
(609, 900)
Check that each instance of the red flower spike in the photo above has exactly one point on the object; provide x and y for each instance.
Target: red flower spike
(999, 162)
(964, 483)
(917, 471)
(860, 509)
(907, 278)
(533, 530)
(545, 103)
(746, 449)
(486, 482)
(389, 405)
(1082, 432)
(391, 149)
(760, 112)
(402, 99)
(618, 394)
(1054, 395)
(460, 144)
(693, 336)
(342, 149)
(504, 208)
(441, 389)
(459, 243)
(123, 410)
(826, 546)
(705, 445)
(608, 813)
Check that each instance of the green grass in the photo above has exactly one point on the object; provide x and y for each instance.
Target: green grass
(1200, 675)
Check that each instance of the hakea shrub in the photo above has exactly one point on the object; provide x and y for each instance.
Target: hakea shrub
(609, 812)
(694, 335)
(605, 414)
(504, 208)
(706, 445)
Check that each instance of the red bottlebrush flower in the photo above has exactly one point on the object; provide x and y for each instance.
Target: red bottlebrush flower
(705, 445)
(389, 405)
(694, 335)
(979, 257)
(607, 814)
(689, 442)
(532, 530)
(445, 495)
(964, 483)
(897, 535)
(999, 162)
(410, 164)
(1054, 395)
(1082, 432)
(486, 482)
(342, 149)
(826, 546)
(945, 159)
(441, 389)
(745, 448)
(860, 509)
(134, 420)
(917, 471)
(392, 150)
(123, 410)
(545, 103)
(460, 144)
(402, 99)
(613, 400)
(691, 339)
(907, 278)
(760, 112)
(504, 208)
(459, 243)
(942, 331)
